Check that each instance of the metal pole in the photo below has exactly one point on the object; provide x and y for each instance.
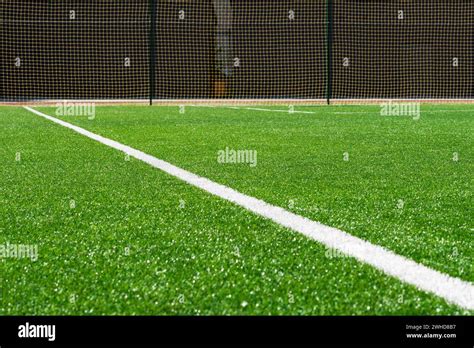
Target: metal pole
(152, 47)
(329, 49)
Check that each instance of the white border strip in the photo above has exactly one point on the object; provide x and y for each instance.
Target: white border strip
(452, 289)
(254, 109)
(378, 112)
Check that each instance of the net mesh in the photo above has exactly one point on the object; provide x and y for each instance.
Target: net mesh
(403, 49)
(239, 49)
(278, 50)
(74, 49)
(185, 46)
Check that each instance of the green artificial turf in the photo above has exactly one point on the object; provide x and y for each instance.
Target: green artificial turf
(138, 241)
(400, 187)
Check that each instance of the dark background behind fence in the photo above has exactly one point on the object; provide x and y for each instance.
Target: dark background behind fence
(409, 58)
(185, 49)
(267, 52)
(80, 58)
(279, 57)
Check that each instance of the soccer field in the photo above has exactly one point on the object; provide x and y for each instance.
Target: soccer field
(117, 236)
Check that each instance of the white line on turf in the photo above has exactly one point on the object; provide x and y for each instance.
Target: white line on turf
(255, 109)
(313, 112)
(452, 289)
(377, 112)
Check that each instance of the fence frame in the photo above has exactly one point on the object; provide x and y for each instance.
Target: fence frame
(152, 48)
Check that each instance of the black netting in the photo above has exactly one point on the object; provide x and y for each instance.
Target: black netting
(100, 49)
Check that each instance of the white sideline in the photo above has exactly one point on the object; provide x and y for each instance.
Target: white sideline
(452, 289)
(254, 109)
(423, 112)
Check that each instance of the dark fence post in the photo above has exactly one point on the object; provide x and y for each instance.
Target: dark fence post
(152, 47)
(329, 49)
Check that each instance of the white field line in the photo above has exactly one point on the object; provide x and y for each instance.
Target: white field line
(421, 112)
(314, 112)
(255, 109)
(452, 289)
